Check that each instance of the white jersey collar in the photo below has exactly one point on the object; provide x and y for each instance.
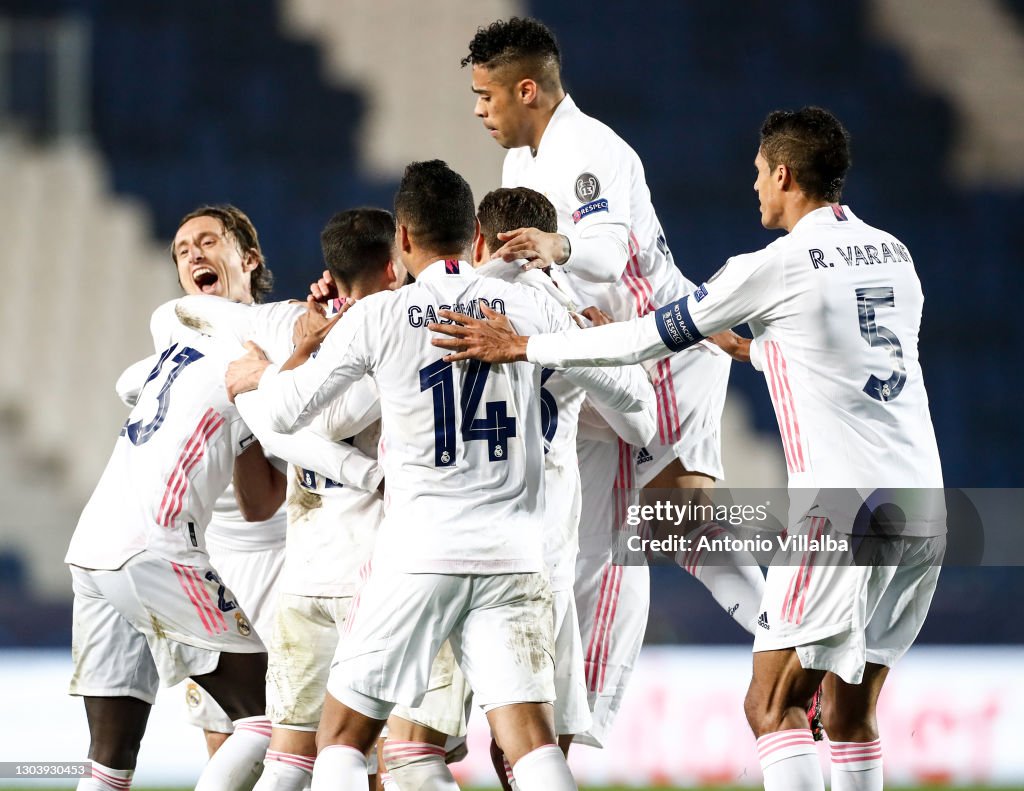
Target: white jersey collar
(565, 108)
(827, 215)
(446, 267)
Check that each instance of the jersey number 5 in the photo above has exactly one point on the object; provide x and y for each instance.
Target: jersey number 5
(138, 432)
(877, 335)
(495, 428)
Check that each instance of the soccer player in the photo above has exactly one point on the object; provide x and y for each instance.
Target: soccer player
(501, 210)
(610, 252)
(459, 554)
(149, 606)
(835, 307)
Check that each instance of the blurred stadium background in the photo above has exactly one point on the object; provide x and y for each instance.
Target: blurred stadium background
(118, 116)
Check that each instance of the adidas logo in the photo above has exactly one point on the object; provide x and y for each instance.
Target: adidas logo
(643, 456)
(762, 620)
(732, 610)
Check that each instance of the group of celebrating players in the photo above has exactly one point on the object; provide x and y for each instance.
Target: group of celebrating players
(413, 481)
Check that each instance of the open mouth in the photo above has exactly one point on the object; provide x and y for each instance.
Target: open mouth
(205, 279)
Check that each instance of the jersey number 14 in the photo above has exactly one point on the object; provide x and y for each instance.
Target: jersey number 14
(495, 427)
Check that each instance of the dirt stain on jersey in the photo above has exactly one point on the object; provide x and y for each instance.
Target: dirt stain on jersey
(158, 628)
(192, 321)
(301, 501)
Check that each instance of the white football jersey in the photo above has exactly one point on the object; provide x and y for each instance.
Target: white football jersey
(333, 506)
(562, 396)
(835, 308)
(461, 446)
(173, 458)
(597, 185)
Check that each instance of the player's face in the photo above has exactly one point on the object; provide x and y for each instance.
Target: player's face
(497, 105)
(768, 193)
(210, 262)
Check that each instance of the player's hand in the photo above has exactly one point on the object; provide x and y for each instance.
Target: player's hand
(491, 340)
(310, 323)
(598, 317)
(244, 374)
(324, 289)
(736, 346)
(539, 249)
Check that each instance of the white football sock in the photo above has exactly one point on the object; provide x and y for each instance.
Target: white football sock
(856, 766)
(238, 764)
(106, 779)
(544, 769)
(734, 579)
(285, 772)
(339, 767)
(789, 761)
(418, 765)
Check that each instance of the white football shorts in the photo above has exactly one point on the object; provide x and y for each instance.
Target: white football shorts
(151, 621)
(445, 705)
(690, 387)
(253, 576)
(838, 614)
(499, 627)
(572, 710)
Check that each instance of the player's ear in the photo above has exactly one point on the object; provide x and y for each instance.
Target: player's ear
(527, 91)
(480, 251)
(250, 261)
(784, 177)
(402, 237)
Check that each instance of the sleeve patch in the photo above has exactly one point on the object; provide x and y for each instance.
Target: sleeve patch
(701, 292)
(588, 188)
(589, 208)
(675, 326)
(245, 442)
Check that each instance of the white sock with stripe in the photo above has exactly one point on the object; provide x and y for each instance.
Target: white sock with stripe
(508, 775)
(285, 772)
(734, 579)
(238, 764)
(544, 769)
(388, 783)
(416, 765)
(339, 767)
(856, 766)
(789, 761)
(106, 779)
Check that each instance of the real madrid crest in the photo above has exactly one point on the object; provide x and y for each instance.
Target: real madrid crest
(243, 625)
(588, 188)
(193, 695)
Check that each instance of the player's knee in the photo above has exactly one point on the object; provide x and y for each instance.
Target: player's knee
(847, 723)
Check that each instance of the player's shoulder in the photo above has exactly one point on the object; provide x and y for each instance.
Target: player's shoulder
(587, 136)
(530, 308)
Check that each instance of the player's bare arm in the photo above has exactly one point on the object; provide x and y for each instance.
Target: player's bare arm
(259, 486)
(538, 248)
(492, 340)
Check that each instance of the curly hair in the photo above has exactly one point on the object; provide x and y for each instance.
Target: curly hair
(523, 42)
(237, 223)
(813, 144)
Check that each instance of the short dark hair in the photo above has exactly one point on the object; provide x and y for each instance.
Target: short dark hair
(522, 42)
(436, 204)
(506, 209)
(357, 242)
(237, 223)
(813, 144)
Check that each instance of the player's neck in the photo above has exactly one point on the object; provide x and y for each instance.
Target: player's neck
(545, 112)
(416, 260)
(798, 208)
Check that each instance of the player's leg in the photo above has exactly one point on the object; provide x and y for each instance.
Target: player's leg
(396, 627)
(414, 756)
(682, 463)
(776, 709)
(303, 641)
(515, 688)
(848, 712)
(115, 674)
